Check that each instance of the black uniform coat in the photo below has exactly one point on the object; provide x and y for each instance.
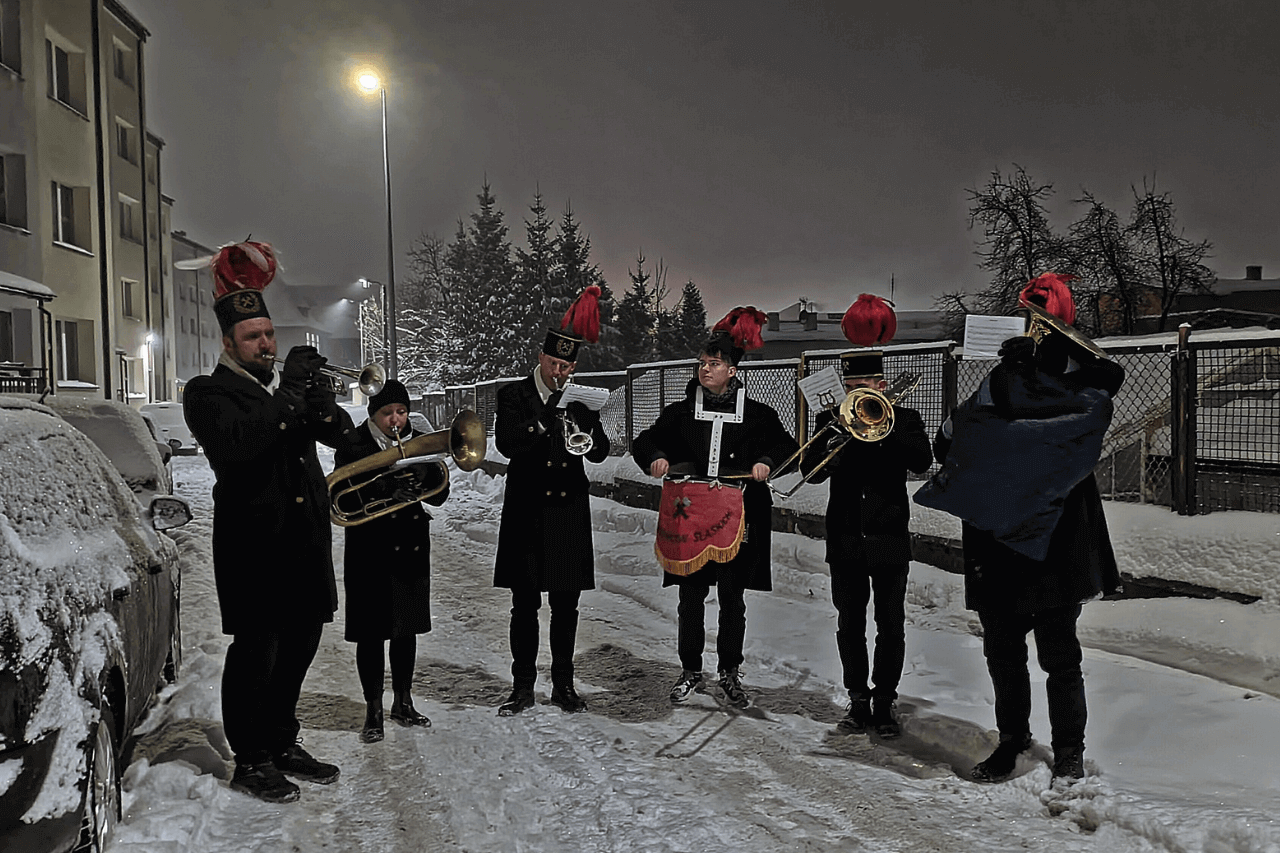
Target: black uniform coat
(544, 541)
(1081, 564)
(680, 438)
(386, 564)
(868, 511)
(272, 541)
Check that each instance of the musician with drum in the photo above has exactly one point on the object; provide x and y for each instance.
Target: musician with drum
(716, 448)
(1017, 468)
(868, 543)
(272, 558)
(544, 541)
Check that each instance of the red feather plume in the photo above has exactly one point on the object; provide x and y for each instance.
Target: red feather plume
(743, 325)
(1051, 292)
(242, 266)
(583, 317)
(869, 320)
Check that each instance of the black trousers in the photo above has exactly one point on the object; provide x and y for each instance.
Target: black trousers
(692, 636)
(369, 665)
(853, 585)
(261, 682)
(1004, 644)
(525, 603)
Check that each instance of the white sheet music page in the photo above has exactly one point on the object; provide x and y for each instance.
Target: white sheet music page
(590, 396)
(822, 389)
(984, 333)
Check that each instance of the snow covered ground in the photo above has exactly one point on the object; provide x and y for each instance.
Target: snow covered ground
(1182, 748)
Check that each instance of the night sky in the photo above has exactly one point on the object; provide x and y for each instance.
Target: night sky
(767, 151)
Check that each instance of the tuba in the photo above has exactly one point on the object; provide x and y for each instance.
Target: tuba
(1040, 324)
(374, 486)
(865, 414)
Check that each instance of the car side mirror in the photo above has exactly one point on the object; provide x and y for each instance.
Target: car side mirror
(168, 512)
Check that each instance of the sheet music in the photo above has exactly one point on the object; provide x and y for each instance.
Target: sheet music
(590, 396)
(984, 333)
(822, 389)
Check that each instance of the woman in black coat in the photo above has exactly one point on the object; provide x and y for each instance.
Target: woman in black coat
(754, 446)
(387, 568)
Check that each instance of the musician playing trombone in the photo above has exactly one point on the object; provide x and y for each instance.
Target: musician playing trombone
(272, 558)
(387, 566)
(716, 431)
(544, 541)
(868, 544)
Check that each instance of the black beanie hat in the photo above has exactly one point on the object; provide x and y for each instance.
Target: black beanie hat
(392, 392)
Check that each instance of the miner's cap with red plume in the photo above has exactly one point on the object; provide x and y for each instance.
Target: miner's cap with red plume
(240, 273)
(737, 333)
(870, 320)
(1051, 292)
(581, 324)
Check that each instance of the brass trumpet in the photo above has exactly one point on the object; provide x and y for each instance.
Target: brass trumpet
(364, 490)
(864, 414)
(576, 440)
(371, 378)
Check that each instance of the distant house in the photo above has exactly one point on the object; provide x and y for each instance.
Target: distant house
(1231, 303)
(804, 326)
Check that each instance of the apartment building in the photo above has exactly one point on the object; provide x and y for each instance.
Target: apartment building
(84, 307)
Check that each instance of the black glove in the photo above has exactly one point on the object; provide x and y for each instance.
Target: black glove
(320, 399)
(301, 364)
(1018, 351)
(582, 413)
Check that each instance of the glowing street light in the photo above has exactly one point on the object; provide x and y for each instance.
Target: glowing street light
(369, 82)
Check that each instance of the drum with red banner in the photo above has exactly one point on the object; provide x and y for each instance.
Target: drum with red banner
(699, 521)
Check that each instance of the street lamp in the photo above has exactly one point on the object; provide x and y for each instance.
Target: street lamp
(370, 83)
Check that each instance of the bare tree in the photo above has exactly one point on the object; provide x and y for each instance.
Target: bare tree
(1104, 257)
(1170, 261)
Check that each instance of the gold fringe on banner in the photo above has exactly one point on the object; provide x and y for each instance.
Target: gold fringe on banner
(684, 568)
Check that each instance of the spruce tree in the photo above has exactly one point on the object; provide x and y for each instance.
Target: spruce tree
(692, 321)
(533, 274)
(635, 318)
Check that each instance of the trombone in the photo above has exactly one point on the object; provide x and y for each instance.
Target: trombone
(865, 414)
(371, 378)
(465, 441)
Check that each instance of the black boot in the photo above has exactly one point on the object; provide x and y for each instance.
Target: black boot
(372, 731)
(856, 717)
(300, 764)
(521, 699)
(1068, 763)
(567, 698)
(1000, 764)
(403, 712)
(883, 719)
(264, 781)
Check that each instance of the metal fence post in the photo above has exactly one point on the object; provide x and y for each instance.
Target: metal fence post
(1183, 428)
(630, 416)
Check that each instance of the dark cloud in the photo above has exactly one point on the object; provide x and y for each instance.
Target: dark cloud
(765, 150)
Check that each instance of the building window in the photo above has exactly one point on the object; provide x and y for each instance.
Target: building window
(6, 336)
(312, 339)
(131, 299)
(13, 190)
(125, 136)
(122, 63)
(71, 215)
(68, 334)
(10, 35)
(130, 219)
(65, 68)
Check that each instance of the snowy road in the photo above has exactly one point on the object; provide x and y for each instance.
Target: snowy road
(634, 773)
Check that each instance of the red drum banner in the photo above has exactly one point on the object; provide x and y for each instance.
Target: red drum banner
(698, 521)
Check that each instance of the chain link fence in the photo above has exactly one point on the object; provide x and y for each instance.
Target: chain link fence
(1231, 461)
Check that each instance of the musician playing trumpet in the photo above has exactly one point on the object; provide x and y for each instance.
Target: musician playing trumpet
(544, 541)
(272, 559)
(868, 544)
(387, 565)
(714, 433)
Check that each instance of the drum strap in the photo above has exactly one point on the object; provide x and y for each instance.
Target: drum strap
(718, 420)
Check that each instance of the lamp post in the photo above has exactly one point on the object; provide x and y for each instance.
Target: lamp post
(369, 82)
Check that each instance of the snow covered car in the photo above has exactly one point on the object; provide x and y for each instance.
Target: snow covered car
(122, 433)
(172, 425)
(166, 450)
(89, 593)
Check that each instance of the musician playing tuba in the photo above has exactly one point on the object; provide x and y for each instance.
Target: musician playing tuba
(387, 564)
(544, 542)
(868, 544)
(711, 529)
(1017, 468)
